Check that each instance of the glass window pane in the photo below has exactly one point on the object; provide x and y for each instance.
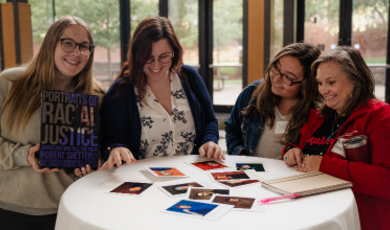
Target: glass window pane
(369, 35)
(322, 23)
(277, 25)
(141, 9)
(183, 15)
(227, 52)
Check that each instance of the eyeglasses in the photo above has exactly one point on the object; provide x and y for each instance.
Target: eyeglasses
(68, 45)
(163, 59)
(285, 79)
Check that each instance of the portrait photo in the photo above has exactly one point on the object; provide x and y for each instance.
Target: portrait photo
(238, 183)
(134, 188)
(258, 167)
(206, 194)
(238, 202)
(209, 165)
(179, 189)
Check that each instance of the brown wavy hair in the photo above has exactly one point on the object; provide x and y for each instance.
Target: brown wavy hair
(351, 63)
(265, 101)
(24, 97)
(148, 31)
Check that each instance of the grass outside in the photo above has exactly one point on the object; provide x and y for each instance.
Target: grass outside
(380, 60)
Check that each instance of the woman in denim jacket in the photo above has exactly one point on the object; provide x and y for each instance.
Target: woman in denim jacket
(277, 106)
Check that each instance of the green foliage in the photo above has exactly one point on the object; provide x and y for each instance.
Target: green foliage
(227, 21)
(184, 19)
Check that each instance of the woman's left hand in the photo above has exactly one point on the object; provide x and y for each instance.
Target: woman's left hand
(211, 150)
(80, 172)
(311, 163)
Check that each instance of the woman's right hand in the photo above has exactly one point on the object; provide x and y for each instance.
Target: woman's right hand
(293, 156)
(117, 155)
(33, 161)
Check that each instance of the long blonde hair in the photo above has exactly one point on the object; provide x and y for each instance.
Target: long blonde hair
(24, 97)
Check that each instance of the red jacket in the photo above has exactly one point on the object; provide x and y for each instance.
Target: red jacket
(371, 182)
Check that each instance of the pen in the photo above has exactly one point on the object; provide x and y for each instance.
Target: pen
(290, 196)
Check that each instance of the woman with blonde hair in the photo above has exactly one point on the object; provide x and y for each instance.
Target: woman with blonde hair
(30, 195)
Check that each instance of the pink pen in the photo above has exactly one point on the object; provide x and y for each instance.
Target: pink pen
(291, 196)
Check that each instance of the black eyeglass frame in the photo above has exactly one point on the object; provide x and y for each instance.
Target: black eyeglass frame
(282, 74)
(91, 46)
(158, 59)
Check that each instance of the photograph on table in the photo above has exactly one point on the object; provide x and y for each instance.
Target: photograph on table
(199, 209)
(208, 165)
(179, 189)
(205, 193)
(233, 175)
(238, 183)
(131, 188)
(166, 171)
(257, 166)
(240, 203)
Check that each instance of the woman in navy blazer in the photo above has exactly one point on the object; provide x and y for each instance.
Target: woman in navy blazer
(154, 64)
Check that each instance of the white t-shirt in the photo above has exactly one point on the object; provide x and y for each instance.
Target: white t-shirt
(164, 134)
(270, 145)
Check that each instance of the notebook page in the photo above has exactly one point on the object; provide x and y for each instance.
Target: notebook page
(309, 183)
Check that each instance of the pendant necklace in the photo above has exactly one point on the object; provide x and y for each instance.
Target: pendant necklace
(333, 126)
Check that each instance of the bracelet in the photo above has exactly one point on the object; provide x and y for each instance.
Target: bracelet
(288, 148)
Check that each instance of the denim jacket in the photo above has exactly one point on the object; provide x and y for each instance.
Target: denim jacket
(243, 132)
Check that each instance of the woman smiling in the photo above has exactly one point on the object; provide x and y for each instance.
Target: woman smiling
(347, 86)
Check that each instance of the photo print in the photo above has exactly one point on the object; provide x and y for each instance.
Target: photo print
(209, 165)
(198, 209)
(179, 189)
(238, 183)
(206, 193)
(233, 175)
(132, 188)
(238, 202)
(166, 172)
(257, 166)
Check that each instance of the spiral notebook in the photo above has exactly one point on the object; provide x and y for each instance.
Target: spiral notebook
(306, 184)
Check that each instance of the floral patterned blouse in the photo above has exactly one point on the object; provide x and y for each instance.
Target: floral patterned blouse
(164, 134)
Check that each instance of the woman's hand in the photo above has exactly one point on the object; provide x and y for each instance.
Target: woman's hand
(80, 172)
(34, 161)
(293, 156)
(117, 155)
(211, 150)
(311, 163)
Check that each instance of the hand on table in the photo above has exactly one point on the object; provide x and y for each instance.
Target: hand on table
(293, 156)
(211, 150)
(117, 155)
(311, 163)
(34, 161)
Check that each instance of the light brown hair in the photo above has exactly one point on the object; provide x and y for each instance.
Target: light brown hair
(352, 64)
(150, 30)
(24, 97)
(308, 96)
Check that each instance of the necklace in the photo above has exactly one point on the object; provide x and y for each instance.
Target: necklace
(333, 126)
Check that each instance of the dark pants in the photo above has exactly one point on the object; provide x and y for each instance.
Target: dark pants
(17, 221)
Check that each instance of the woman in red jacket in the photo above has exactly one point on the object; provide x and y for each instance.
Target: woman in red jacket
(347, 85)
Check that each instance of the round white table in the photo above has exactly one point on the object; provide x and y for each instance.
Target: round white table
(86, 205)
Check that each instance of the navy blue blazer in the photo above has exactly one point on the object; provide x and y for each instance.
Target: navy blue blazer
(121, 123)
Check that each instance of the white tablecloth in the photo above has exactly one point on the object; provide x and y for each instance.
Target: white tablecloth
(86, 205)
